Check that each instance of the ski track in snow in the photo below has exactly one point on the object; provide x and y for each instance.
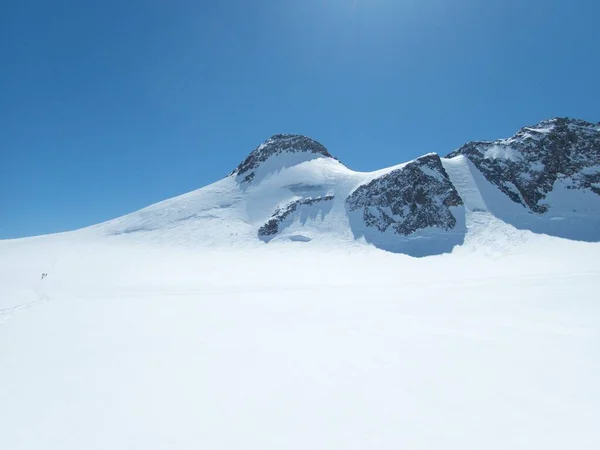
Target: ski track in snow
(6, 314)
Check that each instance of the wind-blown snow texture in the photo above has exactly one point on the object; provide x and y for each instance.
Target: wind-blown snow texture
(256, 313)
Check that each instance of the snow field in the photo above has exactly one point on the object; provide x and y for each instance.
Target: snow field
(294, 347)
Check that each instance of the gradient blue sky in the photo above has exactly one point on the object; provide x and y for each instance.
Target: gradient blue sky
(106, 107)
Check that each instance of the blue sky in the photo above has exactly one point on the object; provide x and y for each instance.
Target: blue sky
(106, 107)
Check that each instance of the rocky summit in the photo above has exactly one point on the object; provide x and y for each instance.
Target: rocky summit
(279, 145)
(527, 166)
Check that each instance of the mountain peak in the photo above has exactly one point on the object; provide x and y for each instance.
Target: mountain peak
(556, 125)
(564, 121)
(287, 149)
(527, 166)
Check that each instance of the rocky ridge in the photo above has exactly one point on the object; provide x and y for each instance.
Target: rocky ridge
(416, 196)
(526, 166)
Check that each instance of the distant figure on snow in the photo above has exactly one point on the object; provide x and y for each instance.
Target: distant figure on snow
(44, 275)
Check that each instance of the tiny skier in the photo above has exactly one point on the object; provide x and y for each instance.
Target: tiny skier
(44, 275)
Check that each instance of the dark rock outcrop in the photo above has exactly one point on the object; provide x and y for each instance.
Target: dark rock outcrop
(276, 145)
(526, 166)
(272, 227)
(414, 197)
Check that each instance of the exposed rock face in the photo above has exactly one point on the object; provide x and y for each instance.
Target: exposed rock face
(277, 145)
(272, 227)
(417, 196)
(526, 166)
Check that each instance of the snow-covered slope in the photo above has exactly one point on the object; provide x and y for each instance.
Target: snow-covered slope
(290, 188)
(131, 346)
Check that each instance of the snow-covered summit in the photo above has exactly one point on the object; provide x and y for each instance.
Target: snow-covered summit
(279, 151)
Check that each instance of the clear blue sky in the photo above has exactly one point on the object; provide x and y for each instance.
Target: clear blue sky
(108, 106)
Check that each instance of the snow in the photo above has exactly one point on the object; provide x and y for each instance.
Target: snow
(458, 170)
(572, 214)
(290, 347)
(541, 129)
(176, 327)
(502, 152)
(536, 166)
(592, 170)
(432, 173)
(278, 162)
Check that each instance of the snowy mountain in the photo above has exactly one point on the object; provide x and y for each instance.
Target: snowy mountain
(528, 166)
(550, 172)
(281, 150)
(546, 178)
(260, 313)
